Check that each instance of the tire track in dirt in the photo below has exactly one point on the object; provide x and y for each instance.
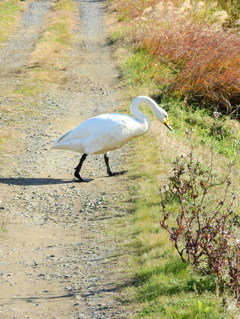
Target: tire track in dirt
(14, 53)
(56, 259)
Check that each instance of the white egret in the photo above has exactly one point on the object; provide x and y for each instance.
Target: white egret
(107, 132)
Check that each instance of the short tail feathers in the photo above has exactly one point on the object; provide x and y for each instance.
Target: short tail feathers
(61, 138)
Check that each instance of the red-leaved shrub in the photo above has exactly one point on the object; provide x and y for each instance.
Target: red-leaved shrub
(203, 228)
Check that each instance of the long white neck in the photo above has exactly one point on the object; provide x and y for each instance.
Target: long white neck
(141, 117)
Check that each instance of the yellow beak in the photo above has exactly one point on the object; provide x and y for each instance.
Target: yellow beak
(166, 122)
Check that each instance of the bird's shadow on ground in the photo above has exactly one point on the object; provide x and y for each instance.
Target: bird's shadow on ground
(38, 181)
(27, 181)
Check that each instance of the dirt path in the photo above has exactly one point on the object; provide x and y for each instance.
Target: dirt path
(14, 54)
(56, 259)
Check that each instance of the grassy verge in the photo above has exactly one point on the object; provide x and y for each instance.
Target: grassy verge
(143, 74)
(50, 55)
(10, 11)
(189, 39)
(162, 286)
(47, 63)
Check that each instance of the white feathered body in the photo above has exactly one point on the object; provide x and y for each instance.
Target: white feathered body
(101, 134)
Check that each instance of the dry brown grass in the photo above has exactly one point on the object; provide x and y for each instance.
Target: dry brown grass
(205, 57)
(208, 59)
(46, 64)
(10, 13)
(49, 57)
(152, 156)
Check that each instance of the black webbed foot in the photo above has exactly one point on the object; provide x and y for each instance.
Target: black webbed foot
(80, 179)
(83, 180)
(116, 173)
(109, 171)
(78, 168)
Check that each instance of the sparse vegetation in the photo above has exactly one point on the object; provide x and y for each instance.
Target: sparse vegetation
(203, 226)
(163, 286)
(190, 40)
(50, 54)
(154, 39)
(9, 15)
(46, 63)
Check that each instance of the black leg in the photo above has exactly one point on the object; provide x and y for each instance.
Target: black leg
(78, 168)
(109, 171)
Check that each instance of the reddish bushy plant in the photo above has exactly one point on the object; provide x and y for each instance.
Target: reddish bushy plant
(204, 57)
(208, 60)
(201, 227)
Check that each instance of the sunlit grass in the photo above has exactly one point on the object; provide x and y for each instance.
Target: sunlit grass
(58, 32)
(46, 64)
(65, 5)
(142, 69)
(147, 76)
(10, 11)
(50, 55)
(163, 286)
(3, 231)
(188, 40)
(233, 9)
(222, 133)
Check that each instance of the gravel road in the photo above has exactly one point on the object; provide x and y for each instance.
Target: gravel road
(58, 258)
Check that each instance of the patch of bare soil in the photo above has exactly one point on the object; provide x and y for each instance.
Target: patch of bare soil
(56, 258)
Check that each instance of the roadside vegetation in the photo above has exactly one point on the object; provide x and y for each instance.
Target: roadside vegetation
(50, 56)
(10, 12)
(185, 55)
(201, 59)
(46, 64)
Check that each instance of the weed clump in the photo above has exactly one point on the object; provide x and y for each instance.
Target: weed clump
(204, 222)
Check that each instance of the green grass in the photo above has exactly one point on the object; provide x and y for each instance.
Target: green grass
(26, 91)
(51, 54)
(232, 7)
(182, 309)
(163, 287)
(143, 70)
(3, 232)
(9, 13)
(223, 133)
(147, 75)
(116, 36)
(58, 32)
(65, 5)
